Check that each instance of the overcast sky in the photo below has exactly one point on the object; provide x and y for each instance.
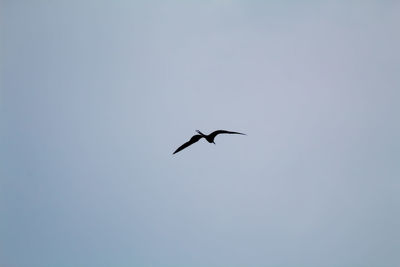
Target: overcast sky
(96, 95)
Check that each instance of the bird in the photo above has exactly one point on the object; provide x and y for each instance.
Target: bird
(210, 138)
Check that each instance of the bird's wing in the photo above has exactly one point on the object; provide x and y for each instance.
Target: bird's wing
(215, 133)
(192, 140)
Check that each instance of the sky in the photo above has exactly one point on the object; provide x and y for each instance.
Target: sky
(96, 95)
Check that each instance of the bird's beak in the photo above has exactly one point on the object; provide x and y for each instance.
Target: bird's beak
(214, 143)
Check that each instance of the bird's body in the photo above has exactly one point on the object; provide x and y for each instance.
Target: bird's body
(210, 138)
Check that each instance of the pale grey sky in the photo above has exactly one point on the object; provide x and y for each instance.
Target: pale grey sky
(96, 95)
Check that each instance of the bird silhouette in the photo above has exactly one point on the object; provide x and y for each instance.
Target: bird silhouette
(210, 138)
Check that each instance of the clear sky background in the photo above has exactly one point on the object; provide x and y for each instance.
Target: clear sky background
(96, 95)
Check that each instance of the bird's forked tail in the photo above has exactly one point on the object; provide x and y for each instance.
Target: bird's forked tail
(200, 133)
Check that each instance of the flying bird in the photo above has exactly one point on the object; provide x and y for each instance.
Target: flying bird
(209, 138)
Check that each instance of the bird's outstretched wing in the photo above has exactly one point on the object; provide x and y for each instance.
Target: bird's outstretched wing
(192, 140)
(215, 133)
